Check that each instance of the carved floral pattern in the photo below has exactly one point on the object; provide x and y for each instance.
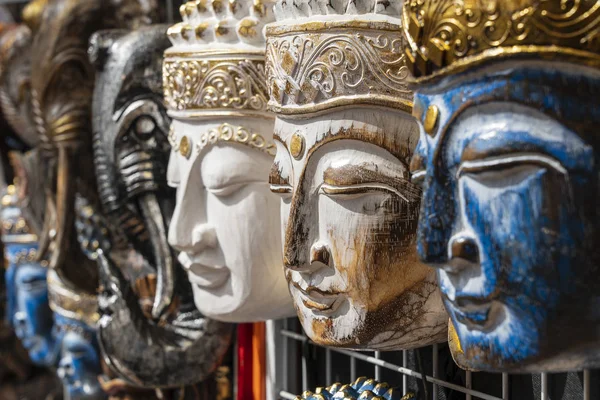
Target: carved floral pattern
(441, 32)
(306, 69)
(215, 84)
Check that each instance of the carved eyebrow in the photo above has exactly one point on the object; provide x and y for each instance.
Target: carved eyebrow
(278, 138)
(364, 175)
(478, 148)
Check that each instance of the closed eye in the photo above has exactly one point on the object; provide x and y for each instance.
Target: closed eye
(281, 189)
(503, 162)
(418, 178)
(355, 191)
(33, 283)
(226, 190)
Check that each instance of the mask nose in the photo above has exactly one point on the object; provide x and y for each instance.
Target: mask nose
(189, 231)
(320, 254)
(464, 248)
(202, 237)
(20, 322)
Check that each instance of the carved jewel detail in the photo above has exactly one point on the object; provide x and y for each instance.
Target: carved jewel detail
(229, 133)
(312, 71)
(234, 84)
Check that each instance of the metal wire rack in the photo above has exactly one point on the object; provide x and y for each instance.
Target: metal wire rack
(428, 372)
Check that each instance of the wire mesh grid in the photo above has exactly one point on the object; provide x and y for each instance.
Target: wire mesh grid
(428, 372)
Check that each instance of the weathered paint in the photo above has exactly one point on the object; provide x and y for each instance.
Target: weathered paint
(349, 218)
(509, 215)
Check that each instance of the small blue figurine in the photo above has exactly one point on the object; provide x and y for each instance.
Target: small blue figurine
(75, 320)
(509, 159)
(55, 323)
(79, 365)
(361, 389)
(27, 291)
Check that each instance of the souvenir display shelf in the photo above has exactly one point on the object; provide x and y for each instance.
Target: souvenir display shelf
(292, 372)
(289, 368)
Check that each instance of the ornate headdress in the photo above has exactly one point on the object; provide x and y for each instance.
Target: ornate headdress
(447, 36)
(216, 68)
(327, 54)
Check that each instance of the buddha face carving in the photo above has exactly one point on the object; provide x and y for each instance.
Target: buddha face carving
(509, 218)
(79, 364)
(349, 221)
(226, 223)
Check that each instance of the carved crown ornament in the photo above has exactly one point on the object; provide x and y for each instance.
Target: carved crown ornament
(215, 69)
(222, 134)
(228, 85)
(216, 65)
(316, 65)
(448, 36)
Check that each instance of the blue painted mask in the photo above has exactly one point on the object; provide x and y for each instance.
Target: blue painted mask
(75, 318)
(79, 364)
(510, 214)
(27, 291)
(31, 316)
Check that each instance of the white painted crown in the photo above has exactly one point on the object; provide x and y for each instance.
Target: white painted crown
(287, 9)
(214, 24)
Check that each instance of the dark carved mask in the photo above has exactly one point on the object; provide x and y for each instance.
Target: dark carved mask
(131, 152)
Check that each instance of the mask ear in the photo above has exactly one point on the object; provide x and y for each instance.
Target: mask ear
(100, 45)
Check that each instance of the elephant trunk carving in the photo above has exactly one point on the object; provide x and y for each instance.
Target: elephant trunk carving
(162, 253)
(171, 345)
(140, 356)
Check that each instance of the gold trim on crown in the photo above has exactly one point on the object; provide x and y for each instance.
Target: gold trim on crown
(319, 65)
(447, 36)
(216, 83)
(216, 66)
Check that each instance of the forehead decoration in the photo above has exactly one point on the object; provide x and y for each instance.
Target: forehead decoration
(316, 63)
(445, 36)
(216, 69)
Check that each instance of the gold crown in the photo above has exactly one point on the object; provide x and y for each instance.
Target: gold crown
(446, 36)
(216, 65)
(317, 63)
